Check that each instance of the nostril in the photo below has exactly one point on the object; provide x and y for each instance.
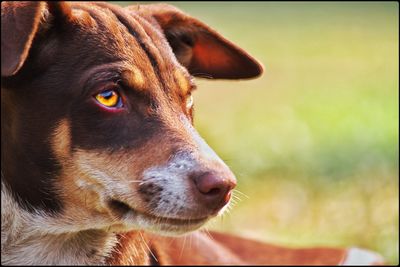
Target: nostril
(228, 197)
(213, 191)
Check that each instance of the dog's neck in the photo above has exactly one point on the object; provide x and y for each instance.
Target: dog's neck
(23, 240)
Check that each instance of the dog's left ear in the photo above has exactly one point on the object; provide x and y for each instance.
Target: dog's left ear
(203, 51)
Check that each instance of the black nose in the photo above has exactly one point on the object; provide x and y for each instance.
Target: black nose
(214, 189)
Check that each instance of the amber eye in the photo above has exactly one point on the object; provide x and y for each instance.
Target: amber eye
(110, 99)
(189, 101)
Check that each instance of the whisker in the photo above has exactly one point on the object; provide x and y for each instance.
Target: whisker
(239, 192)
(190, 241)
(236, 197)
(209, 234)
(183, 246)
(151, 252)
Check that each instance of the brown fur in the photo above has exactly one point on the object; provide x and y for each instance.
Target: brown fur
(15, 52)
(87, 184)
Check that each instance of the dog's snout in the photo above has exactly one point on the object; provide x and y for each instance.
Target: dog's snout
(214, 189)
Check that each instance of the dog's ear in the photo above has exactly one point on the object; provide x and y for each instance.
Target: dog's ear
(202, 50)
(20, 22)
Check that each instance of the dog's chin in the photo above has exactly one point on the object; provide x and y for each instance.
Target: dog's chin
(131, 219)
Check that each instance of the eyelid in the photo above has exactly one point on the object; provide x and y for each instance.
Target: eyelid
(94, 79)
(108, 86)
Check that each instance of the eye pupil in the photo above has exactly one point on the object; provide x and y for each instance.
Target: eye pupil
(107, 94)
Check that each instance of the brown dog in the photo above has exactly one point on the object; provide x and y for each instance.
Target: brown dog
(99, 156)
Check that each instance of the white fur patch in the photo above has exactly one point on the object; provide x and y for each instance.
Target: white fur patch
(175, 198)
(40, 239)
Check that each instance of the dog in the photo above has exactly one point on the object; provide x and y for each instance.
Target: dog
(100, 162)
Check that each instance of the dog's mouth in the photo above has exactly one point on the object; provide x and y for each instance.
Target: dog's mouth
(122, 209)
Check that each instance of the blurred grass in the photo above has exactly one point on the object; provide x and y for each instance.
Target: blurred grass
(314, 142)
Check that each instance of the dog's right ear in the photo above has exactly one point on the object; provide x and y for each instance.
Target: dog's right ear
(20, 22)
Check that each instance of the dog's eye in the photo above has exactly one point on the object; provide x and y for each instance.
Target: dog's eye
(189, 101)
(110, 99)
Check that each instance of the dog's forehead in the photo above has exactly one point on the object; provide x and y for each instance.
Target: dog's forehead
(127, 37)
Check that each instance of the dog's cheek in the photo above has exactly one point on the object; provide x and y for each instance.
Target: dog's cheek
(81, 194)
(61, 140)
(74, 186)
(103, 176)
(95, 129)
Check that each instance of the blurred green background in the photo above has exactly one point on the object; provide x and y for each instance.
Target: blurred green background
(314, 141)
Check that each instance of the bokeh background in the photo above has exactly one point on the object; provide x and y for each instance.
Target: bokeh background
(314, 141)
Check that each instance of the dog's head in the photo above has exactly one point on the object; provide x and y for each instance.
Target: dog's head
(97, 115)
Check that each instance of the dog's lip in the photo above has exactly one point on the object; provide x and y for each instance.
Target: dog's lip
(174, 221)
(121, 208)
